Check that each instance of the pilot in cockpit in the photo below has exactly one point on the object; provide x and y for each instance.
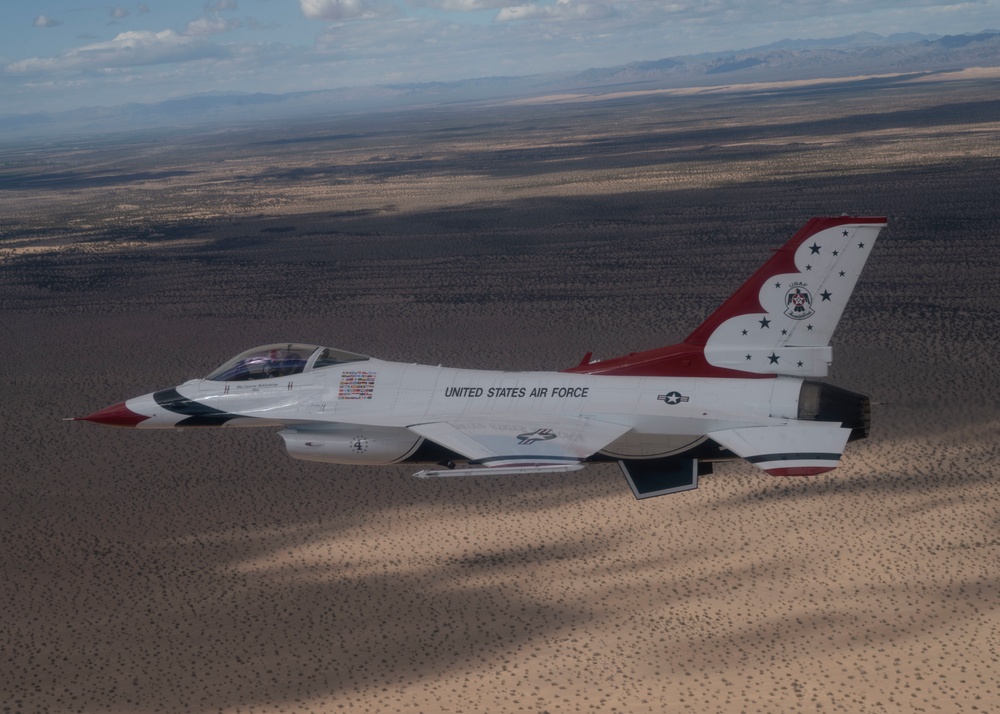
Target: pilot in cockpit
(278, 366)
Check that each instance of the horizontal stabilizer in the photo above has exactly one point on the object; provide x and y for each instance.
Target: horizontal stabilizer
(659, 477)
(796, 449)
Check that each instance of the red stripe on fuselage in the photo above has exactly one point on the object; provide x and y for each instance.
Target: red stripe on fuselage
(681, 360)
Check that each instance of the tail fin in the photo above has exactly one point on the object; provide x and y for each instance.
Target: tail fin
(780, 320)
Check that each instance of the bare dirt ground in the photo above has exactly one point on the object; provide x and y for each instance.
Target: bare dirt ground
(206, 571)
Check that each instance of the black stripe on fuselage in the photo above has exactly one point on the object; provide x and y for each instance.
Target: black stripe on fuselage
(197, 414)
(807, 456)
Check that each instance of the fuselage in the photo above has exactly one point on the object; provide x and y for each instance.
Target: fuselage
(665, 415)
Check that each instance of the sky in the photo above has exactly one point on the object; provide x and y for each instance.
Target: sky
(58, 55)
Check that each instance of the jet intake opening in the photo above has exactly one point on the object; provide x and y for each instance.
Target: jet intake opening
(819, 401)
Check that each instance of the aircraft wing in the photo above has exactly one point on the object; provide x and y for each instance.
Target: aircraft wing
(520, 445)
(794, 449)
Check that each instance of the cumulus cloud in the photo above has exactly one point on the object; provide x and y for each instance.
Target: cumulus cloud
(338, 10)
(46, 21)
(125, 50)
(119, 12)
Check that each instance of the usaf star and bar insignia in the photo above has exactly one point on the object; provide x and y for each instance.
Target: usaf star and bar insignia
(671, 398)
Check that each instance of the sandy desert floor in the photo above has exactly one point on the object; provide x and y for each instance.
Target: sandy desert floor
(205, 571)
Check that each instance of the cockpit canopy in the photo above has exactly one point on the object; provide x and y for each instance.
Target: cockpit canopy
(281, 360)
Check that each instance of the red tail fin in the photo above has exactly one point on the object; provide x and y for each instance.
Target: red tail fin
(779, 321)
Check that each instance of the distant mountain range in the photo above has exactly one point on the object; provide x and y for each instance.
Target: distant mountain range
(861, 53)
(857, 54)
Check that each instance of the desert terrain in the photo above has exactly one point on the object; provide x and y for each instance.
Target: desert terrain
(205, 571)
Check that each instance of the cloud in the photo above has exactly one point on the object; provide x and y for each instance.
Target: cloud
(213, 23)
(46, 21)
(142, 8)
(566, 10)
(211, 26)
(254, 24)
(461, 5)
(339, 10)
(432, 43)
(119, 12)
(125, 50)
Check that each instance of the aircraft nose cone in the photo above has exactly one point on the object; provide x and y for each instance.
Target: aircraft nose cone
(115, 415)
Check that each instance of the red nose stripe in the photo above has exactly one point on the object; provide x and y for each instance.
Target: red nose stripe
(116, 415)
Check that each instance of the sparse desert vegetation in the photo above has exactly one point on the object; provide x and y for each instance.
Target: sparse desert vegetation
(204, 570)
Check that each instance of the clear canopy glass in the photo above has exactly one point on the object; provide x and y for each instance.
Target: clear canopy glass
(280, 360)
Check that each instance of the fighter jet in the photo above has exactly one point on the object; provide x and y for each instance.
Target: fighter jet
(741, 386)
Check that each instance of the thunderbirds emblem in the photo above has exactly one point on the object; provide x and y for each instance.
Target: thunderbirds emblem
(536, 435)
(798, 301)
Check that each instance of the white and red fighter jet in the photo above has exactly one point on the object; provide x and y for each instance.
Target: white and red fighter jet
(737, 387)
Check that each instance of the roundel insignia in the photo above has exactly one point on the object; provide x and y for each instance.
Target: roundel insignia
(671, 398)
(798, 302)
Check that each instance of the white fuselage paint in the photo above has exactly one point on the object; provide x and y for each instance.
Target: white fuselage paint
(666, 415)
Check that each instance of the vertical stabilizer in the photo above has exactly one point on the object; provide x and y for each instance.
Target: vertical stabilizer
(780, 320)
